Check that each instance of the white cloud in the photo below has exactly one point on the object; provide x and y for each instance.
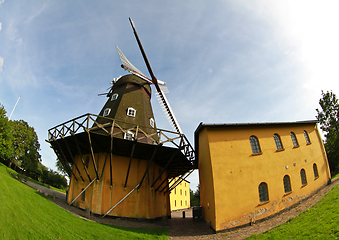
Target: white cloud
(1, 1)
(0, 26)
(1, 63)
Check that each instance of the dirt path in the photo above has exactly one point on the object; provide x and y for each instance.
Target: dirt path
(189, 228)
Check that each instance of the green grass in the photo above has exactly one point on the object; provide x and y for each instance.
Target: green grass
(25, 214)
(319, 222)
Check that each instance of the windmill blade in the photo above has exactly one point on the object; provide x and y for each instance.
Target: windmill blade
(128, 66)
(173, 120)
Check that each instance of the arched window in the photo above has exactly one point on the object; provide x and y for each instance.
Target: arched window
(263, 192)
(307, 137)
(315, 170)
(278, 141)
(287, 184)
(303, 177)
(255, 144)
(294, 139)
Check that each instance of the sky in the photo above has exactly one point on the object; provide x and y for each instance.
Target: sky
(223, 61)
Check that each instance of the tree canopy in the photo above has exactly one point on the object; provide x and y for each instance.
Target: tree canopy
(6, 136)
(26, 147)
(328, 117)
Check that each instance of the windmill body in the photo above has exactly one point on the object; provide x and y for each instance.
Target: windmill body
(119, 162)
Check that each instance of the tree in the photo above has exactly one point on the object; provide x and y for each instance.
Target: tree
(195, 197)
(6, 149)
(26, 148)
(328, 118)
(65, 168)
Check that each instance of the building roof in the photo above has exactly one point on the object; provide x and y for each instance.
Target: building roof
(201, 126)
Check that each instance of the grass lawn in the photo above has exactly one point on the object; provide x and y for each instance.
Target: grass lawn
(319, 222)
(25, 214)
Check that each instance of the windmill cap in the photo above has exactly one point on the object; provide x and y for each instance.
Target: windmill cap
(131, 78)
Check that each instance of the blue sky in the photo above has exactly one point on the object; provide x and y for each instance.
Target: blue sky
(223, 61)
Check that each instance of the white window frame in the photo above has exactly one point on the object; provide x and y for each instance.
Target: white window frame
(114, 96)
(129, 135)
(131, 112)
(151, 122)
(106, 112)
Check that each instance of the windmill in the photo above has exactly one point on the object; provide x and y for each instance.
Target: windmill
(119, 158)
(160, 86)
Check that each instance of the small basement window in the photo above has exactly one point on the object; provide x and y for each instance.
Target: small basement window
(114, 96)
(106, 112)
(131, 112)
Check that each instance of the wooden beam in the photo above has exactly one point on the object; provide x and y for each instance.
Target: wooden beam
(82, 160)
(92, 154)
(130, 162)
(149, 164)
(164, 169)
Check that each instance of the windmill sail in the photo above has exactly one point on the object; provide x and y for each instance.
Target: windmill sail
(128, 66)
(156, 82)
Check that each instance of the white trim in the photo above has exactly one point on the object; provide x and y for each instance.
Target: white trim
(114, 96)
(131, 112)
(106, 112)
(129, 135)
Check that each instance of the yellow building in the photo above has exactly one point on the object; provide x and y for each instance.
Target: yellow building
(180, 195)
(251, 171)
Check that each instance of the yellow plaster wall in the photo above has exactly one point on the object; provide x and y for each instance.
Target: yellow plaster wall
(207, 199)
(236, 173)
(101, 196)
(180, 196)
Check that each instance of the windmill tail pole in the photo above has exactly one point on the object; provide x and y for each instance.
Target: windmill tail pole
(14, 108)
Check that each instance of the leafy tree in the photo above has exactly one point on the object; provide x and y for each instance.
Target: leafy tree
(26, 148)
(328, 118)
(195, 197)
(65, 170)
(6, 137)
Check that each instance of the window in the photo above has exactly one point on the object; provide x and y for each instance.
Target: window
(180, 191)
(185, 202)
(83, 195)
(278, 141)
(294, 139)
(151, 122)
(131, 112)
(129, 136)
(307, 137)
(287, 184)
(263, 192)
(114, 96)
(303, 177)
(175, 203)
(181, 202)
(315, 170)
(106, 112)
(185, 193)
(175, 191)
(255, 144)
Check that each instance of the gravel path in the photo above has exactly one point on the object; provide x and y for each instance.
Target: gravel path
(189, 228)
